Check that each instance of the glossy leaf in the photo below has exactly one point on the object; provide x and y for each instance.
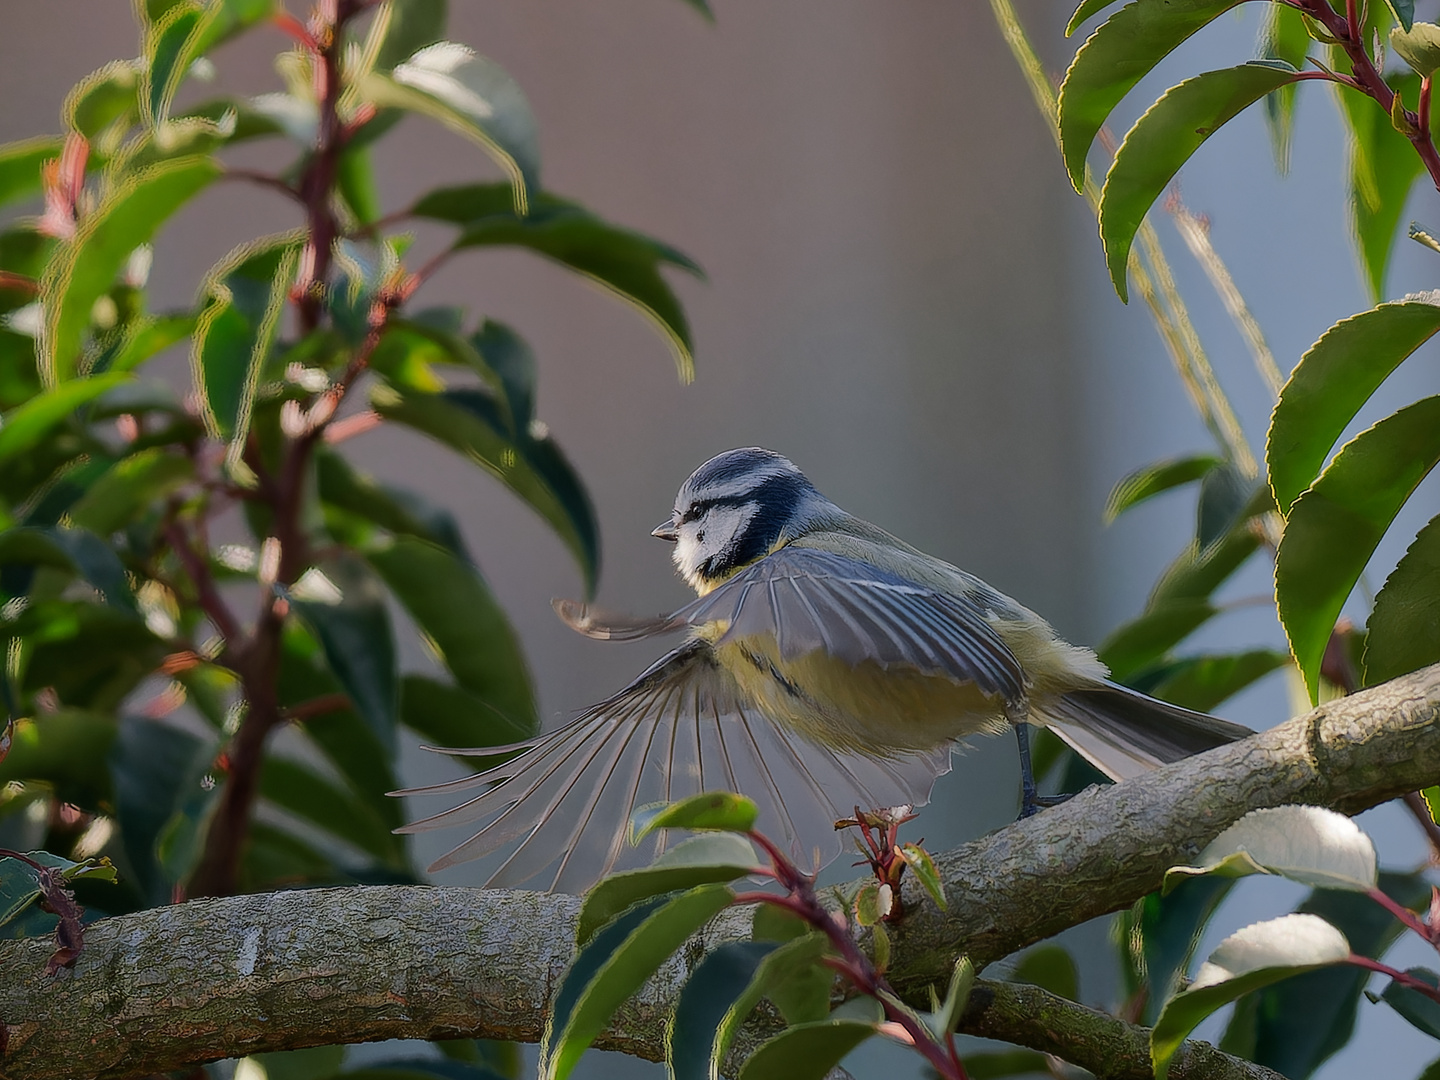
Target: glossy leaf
(1117, 56)
(472, 423)
(1403, 633)
(20, 164)
(78, 551)
(1284, 37)
(246, 295)
(614, 965)
(86, 268)
(1308, 844)
(1163, 139)
(806, 1051)
(1258, 955)
(1420, 1009)
(1204, 682)
(698, 860)
(474, 97)
(721, 810)
(625, 262)
(1383, 167)
(344, 604)
(25, 425)
(1334, 378)
(20, 884)
(720, 980)
(456, 611)
(1086, 9)
(130, 486)
(1334, 527)
(1150, 480)
(1404, 11)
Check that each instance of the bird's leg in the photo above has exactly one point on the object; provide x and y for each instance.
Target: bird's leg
(1030, 798)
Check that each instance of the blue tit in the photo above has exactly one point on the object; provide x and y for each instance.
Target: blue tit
(827, 664)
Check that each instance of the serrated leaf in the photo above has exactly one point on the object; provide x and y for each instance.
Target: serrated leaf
(472, 423)
(720, 810)
(344, 605)
(1308, 844)
(1334, 528)
(20, 164)
(452, 605)
(923, 867)
(1258, 955)
(86, 268)
(474, 97)
(1334, 378)
(24, 426)
(1403, 633)
(624, 262)
(698, 860)
(1285, 37)
(1420, 1009)
(614, 965)
(806, 1051)
(129, 487)
(1087, 9)
(1116, 57)
(1150, 480)
(1163, 139)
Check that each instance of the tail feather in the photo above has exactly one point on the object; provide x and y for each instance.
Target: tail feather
(1123, 732)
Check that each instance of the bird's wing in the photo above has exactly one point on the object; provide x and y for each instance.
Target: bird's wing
(681, 728)
(810, 599)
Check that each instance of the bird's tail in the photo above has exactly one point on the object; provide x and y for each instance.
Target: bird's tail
(1122, 732)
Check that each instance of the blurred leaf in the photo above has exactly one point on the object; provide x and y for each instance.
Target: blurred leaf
(414, 24)
(698, 860)
(1050, 967)
(1421, 1010)
(1418, 45)
(276, 859)
(1403, 633)
(1116, 57)
(474, 97)
(302, 791)
(84, 270)
(720, 810)
(311, 1063)
(510, 359)
(355, 178)
(20, 166)
(1164, 138)
(1309, 844)
(470, 422)
(1383, 168)
(109, 96)
(625, 262)
(76, 550)
(92, 656)
(421, 1069)
(1198, 572)
(717, 983)
(449, 716)
(1258, 955)
(1170, 929)
(806, 1051)
(616, 962)
(1151, 480)
(343, 603)
(1334, 527)
(1142, 641)
(1224, 496)
(144, 338)
(999, 1063)
(396, 510)
(1203, 682)
(181, 36)
(66, 750)
(246, 294)
(1284, 37)
(453, 607)
(131, 485)
(25, 425)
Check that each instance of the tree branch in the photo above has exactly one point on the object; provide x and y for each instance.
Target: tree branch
(173, 986)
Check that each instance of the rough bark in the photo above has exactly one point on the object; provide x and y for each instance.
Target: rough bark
(173, 986)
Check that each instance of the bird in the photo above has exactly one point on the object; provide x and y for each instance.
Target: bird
(826, 665)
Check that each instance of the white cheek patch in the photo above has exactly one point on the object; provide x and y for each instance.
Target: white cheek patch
(685, 555)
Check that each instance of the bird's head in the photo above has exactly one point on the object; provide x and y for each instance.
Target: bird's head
(738, 507)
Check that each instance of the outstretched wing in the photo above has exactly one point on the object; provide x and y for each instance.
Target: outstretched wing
(681, 728)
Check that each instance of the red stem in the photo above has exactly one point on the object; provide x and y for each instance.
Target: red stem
(1401, 912)
(210, 600)
(1433, 993)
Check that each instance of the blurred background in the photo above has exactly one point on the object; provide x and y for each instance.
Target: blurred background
(903, 295)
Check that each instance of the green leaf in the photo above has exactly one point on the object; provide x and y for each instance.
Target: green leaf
(20, 166)
(91, 656)
(168, 53)
(454, 608)
(1404, 11)
(131, 486)
(1163, 139)
(1284, 37)
(414, 24)
(1086, 9)
(246, 295)
(1432, 802)
(1150, 480)
(1204, 682)
(1403, 633)
(449, 716)
(624, 262)
(421, 1069)
(1418, 45)
(397, 511)
(343, 603)
(1334, 378)
(698, 860)
(1420, 1009)
(109, 96)
(1000, 1063)
(78, 551)
(276, 859)
(806, 1051)
(923, 867)
(1334, 527)
(470, 422)
(1050, 967)
(720, 810)
(356, 180)
(614, 965)
(1309, 844)
(472, 96)
(144, 338)
(1170, 929)
(85, 269)
(25, 425)
(302, 791)
(311, 1063)
(1225, 493)
(20, 885)
(1116, 57)
(1247, 960)
(1383, 168)
(718, 982)
(1144, 640)
(65, 750)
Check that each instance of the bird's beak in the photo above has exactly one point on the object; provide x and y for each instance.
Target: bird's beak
(666, 530)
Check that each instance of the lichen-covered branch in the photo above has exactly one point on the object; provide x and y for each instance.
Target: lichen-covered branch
(173, 986)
